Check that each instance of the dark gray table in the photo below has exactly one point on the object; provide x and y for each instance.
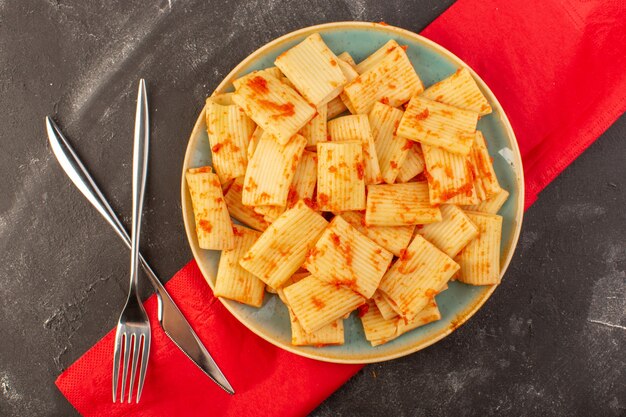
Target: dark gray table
(551, 342)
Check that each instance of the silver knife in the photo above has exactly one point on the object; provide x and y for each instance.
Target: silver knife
(170, 317)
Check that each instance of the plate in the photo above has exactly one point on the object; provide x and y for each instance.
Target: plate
(457, 304)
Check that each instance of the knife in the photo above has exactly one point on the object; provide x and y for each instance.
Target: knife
(170, 317)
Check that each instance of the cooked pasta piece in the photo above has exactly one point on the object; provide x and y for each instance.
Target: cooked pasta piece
(335, 107)
(271, 170)
(229, 131)
(413, 164)
(237, 210)
(348, 71)
(254, 141)
(392, 80)
(384, 307)
(314, 69)
(271, 71)
(459, 90)
(344, 256)
(234, 282)
(269, 213)
(213, 226)
(375, 58)
(282, 248)
(452, 233)
(399, 205)
(437, 124)
(379, 330)
(340, 176)
(357, 127)
(273, 105)
(390, 149)
(392, 238)
(331, 334)
(297, 276)
(416, 277)
(315, 130)
(486, 181)
(480, 259)
(449, 177)
(317, 303)
(492, 205)
(303, 184)
(346, 57)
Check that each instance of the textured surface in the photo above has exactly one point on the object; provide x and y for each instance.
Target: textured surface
(549, 342)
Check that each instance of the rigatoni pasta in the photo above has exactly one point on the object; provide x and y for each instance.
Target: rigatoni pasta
(413, 164)
(357, 127)
(317, 303)
(485, 179)
(213, 226)
(234, 282)
(390, 149)
(452, 233)
(271, 171)
(450, 177)
(437, 124)
(391, 80)
(490, 206)
(344, 256)
(314, 69)
(273, 105)
(393, 238)
(283, 246)
(229, 131)
(480, 259)
(315, 130)
(239, 211)
(340, 176)
(400, 205)
(416, 277)
(459, 90)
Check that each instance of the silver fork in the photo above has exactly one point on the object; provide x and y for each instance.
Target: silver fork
(133, 327)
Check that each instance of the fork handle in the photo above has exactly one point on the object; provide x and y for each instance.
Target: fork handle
(140, 172)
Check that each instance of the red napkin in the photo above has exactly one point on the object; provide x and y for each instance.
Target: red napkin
(557, 67)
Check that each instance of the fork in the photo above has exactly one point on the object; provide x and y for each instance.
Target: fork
(133, 327)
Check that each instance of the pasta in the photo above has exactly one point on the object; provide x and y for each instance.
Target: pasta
(317, 303)
(416, 277)
(374, 211)
(271, 171)
(391, 80)
(357, 127)
(413, 164)
(480, 259)
(379, 330)
(229, 131)
(273, 105)
(450, 177)
(452, 233)
(213, 226)
(390, 149)
(486, 181)
(315, 130)
(234, 282)
(459, 90)
(340, 176)
(314, 69)
(283, 246)
(344, 256)
(393, 238)
(492, 205)
(437, 124)
(399, 205)
(237, 210)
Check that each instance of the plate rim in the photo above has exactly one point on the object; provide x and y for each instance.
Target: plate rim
(461, 317)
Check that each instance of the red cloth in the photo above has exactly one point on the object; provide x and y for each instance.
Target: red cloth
(557, 67)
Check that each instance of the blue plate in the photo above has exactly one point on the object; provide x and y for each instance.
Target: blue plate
(433, 63)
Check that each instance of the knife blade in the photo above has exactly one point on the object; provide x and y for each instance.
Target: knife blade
(170, 317)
